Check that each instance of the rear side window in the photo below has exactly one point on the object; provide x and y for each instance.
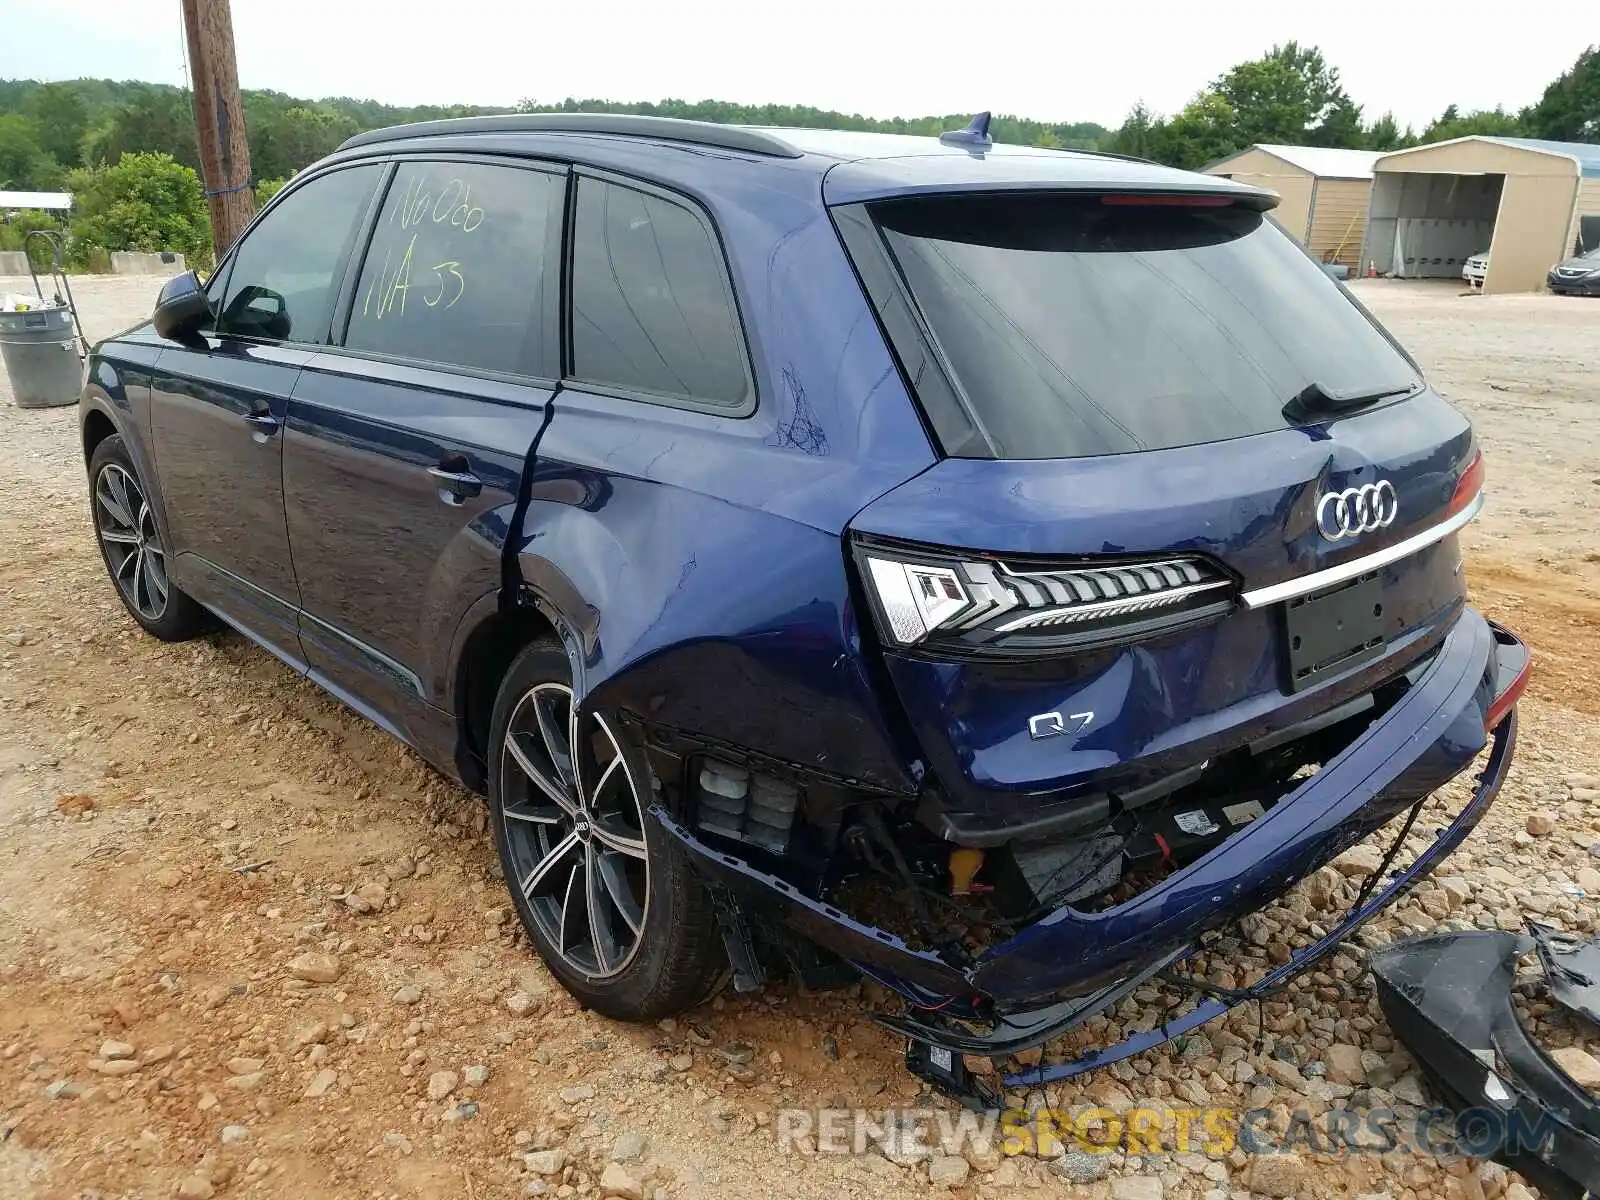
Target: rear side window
(457, 271)
(652, 307)
(281, 284)
(1085, 325)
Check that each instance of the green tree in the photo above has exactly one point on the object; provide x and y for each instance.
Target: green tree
(1385, 134)
(24, 165)
(1290, 95)
(1143, 134)
(267, 189)
(1207, 129)
(1569, 110)
(155, 120)
(62, 119)
(283, 140)
(142, 202)
(1452, 123)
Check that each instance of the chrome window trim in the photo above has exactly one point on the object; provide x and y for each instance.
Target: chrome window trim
(1291, 588)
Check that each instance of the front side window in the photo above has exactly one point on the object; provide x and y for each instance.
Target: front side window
(652, 307)
(457, 271)
(282, 283)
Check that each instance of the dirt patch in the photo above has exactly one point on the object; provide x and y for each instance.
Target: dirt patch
(1555, 607)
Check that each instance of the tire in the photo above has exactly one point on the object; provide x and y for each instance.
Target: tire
(574, 836)
(133, 549)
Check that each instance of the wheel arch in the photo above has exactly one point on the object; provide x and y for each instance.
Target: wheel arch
(97, 427)
(491, 635)
(487, 653)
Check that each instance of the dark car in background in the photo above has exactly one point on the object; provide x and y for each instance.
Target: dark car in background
(990, 570)
(1578, 276)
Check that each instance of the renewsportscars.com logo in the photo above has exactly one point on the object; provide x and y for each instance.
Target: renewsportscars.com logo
(909, 1133)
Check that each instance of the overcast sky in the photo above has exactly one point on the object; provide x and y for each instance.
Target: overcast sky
(885, 58)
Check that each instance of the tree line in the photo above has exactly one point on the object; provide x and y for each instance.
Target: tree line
(127, 150)
(49, 129)
(128, 154)
(1292, 96)
(1078, 135)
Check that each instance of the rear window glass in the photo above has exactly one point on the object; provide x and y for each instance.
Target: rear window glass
(1082, 325)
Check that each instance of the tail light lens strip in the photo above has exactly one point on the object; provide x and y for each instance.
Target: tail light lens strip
(921, 595)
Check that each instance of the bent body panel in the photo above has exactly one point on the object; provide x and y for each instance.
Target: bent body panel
(1431, 734)
(694, 613)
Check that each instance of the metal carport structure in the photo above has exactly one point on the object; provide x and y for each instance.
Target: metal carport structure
(1522, 199)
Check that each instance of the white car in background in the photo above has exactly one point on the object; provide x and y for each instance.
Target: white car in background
(1475, 268)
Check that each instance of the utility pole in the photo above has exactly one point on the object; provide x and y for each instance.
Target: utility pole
(219, 119)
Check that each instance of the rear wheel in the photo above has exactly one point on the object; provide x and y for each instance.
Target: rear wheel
(132, 548)
(610, 902)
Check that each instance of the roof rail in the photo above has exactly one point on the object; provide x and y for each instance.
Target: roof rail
(697, 133)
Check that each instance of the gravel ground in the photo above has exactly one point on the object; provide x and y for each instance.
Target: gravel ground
(250, 945)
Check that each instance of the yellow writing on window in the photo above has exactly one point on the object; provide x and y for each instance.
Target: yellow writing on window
(426, 213)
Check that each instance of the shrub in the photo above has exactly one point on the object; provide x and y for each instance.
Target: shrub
(145, 202)
(15, 230)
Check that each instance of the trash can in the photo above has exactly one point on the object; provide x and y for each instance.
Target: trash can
(41, 357)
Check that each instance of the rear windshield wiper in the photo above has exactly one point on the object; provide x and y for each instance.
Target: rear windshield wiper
(1316, 399)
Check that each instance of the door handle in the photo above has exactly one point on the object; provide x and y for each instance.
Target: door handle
(262, 425)
(455, 487)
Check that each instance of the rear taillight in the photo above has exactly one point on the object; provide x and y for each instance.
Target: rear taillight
(964, 602)
(1468, 486)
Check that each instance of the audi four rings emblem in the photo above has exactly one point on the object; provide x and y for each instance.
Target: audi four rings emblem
(1357, 510)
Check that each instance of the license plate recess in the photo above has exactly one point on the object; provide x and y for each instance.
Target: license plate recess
(1328, 632)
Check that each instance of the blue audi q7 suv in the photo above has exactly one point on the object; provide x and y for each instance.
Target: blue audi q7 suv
(991, 570)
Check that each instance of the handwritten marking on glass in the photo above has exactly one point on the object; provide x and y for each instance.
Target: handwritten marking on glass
(424, 213)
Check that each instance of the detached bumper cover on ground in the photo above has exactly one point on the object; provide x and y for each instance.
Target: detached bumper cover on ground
(1072, 964)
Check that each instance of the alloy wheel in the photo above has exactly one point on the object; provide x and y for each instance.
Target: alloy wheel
(573, 821)
(132, 546)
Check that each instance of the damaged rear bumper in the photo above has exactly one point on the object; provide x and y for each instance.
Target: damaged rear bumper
(1071, 964)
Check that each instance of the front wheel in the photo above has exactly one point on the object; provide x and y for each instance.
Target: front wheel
(612, 905)
(133, 550)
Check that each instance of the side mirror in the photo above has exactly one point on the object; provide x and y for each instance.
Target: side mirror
(182, 307)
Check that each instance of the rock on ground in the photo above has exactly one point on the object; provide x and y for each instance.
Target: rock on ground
(545, 1162)
(616, 1181)
(1137, 1187)
(1277, 1175)
(629, 1146)
(441, 1084)
(948, 1170)
(1580, 1064)
(315, 968)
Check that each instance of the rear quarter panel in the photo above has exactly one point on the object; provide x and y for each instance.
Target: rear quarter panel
(696, 558)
